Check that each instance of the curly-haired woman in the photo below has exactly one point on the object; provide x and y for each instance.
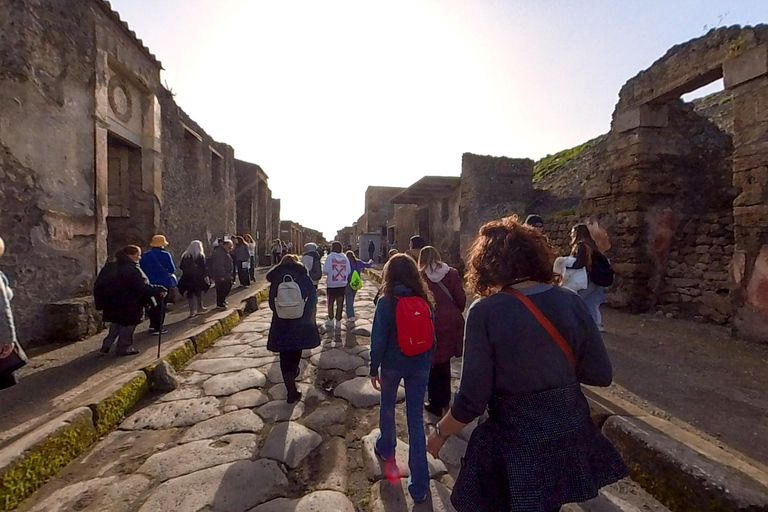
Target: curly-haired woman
(528, 346)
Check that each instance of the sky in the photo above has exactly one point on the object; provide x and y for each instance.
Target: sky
(333, 96)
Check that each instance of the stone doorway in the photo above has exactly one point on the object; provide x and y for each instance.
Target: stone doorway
(127, 221)
(422, 221)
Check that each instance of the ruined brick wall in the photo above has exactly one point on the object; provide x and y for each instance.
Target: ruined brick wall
(558, 230)
(445, 227)
(378, 209)
(46, 154)
(198, 203)
(492, 187)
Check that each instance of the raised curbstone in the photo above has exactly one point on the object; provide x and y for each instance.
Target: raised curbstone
(110, 411)
(34, 459)
(179, 357)
(230, 321)
(205, 339)
(682, 478)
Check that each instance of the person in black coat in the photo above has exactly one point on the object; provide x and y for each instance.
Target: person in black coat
(194, 280)
(290, 337)
(122, 290)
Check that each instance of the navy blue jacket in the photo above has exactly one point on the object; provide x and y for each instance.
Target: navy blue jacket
(385, 350)
(158, 264)
(301, 333)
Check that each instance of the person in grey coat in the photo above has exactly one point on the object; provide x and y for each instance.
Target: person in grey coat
(8, 340)
(220, 269)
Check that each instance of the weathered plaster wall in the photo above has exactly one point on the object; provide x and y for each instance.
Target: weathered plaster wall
(378, 209)
(46, 172)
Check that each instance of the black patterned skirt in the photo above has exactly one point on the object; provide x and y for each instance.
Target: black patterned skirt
(534, 454)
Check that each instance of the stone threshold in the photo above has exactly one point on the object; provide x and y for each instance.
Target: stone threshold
(32, 460)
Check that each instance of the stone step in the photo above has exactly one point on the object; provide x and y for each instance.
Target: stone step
(623, 496)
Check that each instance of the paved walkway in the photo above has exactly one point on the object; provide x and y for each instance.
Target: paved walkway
(227, 441)
(56, 379)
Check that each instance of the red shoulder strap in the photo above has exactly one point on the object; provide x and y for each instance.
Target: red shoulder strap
(544, 321)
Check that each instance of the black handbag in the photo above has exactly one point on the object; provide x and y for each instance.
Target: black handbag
(16, 360)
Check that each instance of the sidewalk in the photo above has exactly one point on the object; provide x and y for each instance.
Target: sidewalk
(58, 380)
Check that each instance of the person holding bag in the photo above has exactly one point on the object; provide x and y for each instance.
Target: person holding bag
(528, 347)
(354, 284)
(12, 356)
(598, 268)
(402, 338)
(450, 300)
(293, 328)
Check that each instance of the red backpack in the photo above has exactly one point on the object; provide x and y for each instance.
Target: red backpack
(415, 332)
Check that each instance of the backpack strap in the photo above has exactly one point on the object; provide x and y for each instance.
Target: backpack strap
(447, 291)
(544, 321)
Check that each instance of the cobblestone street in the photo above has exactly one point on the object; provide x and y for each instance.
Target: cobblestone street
(227, 441)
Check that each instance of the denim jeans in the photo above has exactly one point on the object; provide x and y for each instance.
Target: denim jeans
(415, 387)
(349, 298)
(594, 297)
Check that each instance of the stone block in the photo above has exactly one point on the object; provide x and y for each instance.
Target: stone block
(374, 466)
(749, 65)
(232, 422)
(683, 478)
(396, 498)
(118, 399)
(290, 443)
(164, 378)
(71, 320)
(318, 501)
(332, 466)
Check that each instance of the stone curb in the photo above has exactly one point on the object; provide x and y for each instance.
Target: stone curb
(375, 275)
(27, 464)
(683, 470)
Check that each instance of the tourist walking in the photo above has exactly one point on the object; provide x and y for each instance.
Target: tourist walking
(220, 268)
(397, 328)
(121, 291)
(350, 292)
(292, 299)
(311, 259)
(158, 264)
(194, 280)
(242, 260)
(416, 243)
(12, 356)
(371, 249)
(277, 251)
(584, 249)
(450, 300)
(337, 268)
(528, 346)
(252, 252)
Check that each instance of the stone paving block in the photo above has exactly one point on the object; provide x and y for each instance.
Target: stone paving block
(374, 467)
(231, 383)
(197, 455)
(361, 393)
(337, 359)
(308, 392)
(114, 493)
(238, 421)
(386, 497)
(363, 371)
(280, 410)
(452, 451)
(183, 393)
(326, 416)
(226, 488)
(119, 397)
(220, 351)
(319, 501)
(290, 443)
(257, 352)
(275, 376)
(218, 366)
(362, 331)
(181, 413)
(246, 399)
(332, 466)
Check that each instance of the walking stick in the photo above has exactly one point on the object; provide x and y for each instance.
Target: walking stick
(162, 316)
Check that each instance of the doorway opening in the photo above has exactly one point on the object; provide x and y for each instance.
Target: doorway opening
(127, 214)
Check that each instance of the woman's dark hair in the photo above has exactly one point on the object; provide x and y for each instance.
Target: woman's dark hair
(239, 240)
(128, 250)
(351, 256)
(581, 234)
(401, 269)
(507, 252)
(336, 247)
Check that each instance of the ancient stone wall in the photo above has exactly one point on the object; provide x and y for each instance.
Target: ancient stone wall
(558, 230)
(378, 209)
(492, 187)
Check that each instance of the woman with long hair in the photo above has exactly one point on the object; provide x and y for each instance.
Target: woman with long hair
(242, 258)
(450, 300)
(289, 337)
(194, 279)
(350, 293)
(584, 248)
(251, 243)
(528, 347)
(401, 279)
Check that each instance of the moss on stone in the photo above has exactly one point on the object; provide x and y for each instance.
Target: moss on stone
(179, 357)
(230, 321)
(110, 411)
(30, 473)
(263, 295)
(206, 339)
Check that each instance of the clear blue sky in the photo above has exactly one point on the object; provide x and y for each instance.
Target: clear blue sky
(330, 96)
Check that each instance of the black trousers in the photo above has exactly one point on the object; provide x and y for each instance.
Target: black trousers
(223, 287)
(243, 274)
(439, 386)
(289, 367)
(156, 314)
(335, 297)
